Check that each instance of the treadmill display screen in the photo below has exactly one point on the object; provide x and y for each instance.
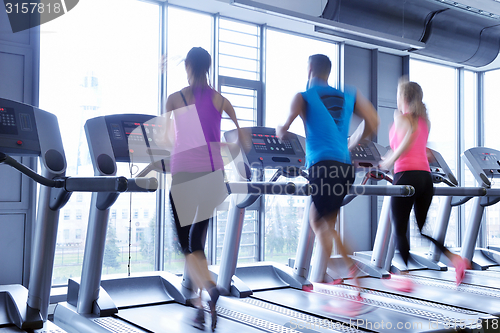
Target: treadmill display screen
(362, 152)
(489, 160)
(258, 141)
(7, 121)
(133, 131)
(432, 161)
(268, 143)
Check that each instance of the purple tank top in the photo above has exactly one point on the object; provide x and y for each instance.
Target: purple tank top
(197, 135)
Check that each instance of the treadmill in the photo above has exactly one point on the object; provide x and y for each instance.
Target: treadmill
(483, 280)
(484, 164)
(439, 292)
(146, 302)
(34, 132)
(279, 288)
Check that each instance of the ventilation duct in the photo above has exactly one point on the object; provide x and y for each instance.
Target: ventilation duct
(449, 34)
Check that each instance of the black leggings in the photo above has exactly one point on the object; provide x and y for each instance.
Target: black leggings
(420, 201)
(192, 236)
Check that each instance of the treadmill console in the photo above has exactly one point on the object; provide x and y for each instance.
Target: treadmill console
(18, 134)
(367, 154)
(268, 151)
(440, 171)
(136, 137)
(484, 163)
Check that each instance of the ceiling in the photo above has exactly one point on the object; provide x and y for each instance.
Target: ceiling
(293, 16)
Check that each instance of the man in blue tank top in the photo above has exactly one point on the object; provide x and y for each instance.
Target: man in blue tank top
(326, 113)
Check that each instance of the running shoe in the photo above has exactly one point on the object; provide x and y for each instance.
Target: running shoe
(213, 313)
(347, 307)
(461, 264)
(199, 320)
(353, 275)
(400, 283)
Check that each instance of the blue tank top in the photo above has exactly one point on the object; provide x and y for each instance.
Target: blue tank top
(327, 121)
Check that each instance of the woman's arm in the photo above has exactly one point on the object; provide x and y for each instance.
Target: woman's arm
(407, 125)
(243, 136)
(168, 122)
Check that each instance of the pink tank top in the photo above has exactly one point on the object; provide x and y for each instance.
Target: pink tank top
(414, 158)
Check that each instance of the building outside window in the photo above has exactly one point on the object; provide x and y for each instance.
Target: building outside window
(86, 70)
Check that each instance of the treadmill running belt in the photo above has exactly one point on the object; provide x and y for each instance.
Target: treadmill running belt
(174, 317)
(410, 317)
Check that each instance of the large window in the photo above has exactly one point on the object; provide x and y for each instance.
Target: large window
(94, 63)
(491, 121)
(439, 85)
(239, 47)
(182, 36)
(239, 74)
(286, 74)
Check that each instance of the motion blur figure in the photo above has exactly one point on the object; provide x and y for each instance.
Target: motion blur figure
(326, 113)
(197, 168)
(408, 138)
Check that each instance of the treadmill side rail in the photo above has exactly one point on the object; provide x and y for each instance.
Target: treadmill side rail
(14, 300)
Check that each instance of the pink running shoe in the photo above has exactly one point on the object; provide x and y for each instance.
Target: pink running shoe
(335, 282)
(353, 274)
(345, 307)
(400, 283)
(308, 288)
(461, 264)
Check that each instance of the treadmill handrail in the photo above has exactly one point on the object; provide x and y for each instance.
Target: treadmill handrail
(460, 191)
(257, 188)
(391, 190)
(85, 184)
(492, 192)
(95, 184)
(4, 158)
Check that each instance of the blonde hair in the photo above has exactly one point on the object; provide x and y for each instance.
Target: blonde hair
(412, 94)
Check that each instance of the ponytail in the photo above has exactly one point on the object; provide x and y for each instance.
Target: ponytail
(412, 93)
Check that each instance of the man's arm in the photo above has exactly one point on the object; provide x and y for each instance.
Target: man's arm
(297, 109)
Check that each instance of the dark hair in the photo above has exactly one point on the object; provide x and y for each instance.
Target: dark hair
(320, 64)
(199, 60)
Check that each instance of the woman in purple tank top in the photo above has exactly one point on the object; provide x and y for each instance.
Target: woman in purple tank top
(408, 137)
(197, 169)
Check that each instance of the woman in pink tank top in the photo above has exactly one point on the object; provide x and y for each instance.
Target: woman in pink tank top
(408, 138)
(196, 166)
